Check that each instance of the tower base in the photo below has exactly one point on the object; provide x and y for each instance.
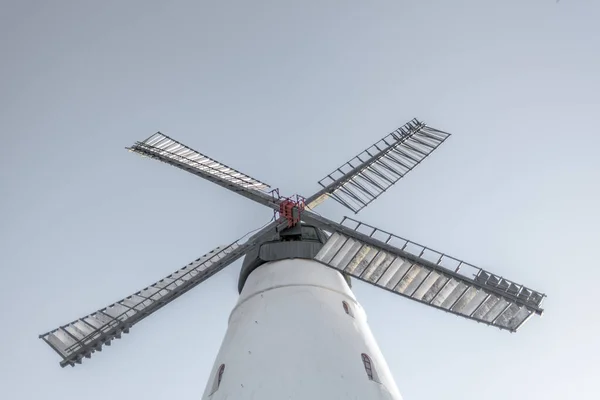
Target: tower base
(297, 332)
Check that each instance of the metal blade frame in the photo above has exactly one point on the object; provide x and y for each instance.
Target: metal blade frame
(115, 326)
(200, 170)
(331, 226)
(365, 177)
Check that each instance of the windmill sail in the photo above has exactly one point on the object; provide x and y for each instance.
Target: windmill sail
(172, 152)
(84, 336)
(425, 275)
(365, 177)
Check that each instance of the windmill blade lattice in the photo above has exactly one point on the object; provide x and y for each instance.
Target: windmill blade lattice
(425, 275)
(84, 336)
(365, 177)
(172, 152)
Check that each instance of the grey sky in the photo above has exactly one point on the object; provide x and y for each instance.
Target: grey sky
(286, 92)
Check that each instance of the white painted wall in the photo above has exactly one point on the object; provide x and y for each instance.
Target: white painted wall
(289, 338)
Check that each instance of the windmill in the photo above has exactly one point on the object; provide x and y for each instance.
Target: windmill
(297, 330)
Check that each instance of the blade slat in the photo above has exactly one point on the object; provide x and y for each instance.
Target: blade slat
(75, 333)
(56, 343)
(496, 310)
(365, 177)
(365, 261)
(519, 318)
(417, 281)
(400, 273)
(379, 258)
(475, 300)
(66, 339)
(408, 278)
(390, 272)
(435, 288)
(383, 266)
(426, 285)
(425, 275)
(486, 307)
(351, 249)
(464, 300)
(445, 292)
(337, 242)
(458, 291)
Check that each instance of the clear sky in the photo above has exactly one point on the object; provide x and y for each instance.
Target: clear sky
(286, 91)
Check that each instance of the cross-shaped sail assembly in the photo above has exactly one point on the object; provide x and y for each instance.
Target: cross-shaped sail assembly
(354, 248)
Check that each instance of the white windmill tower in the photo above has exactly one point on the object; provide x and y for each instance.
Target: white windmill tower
(297, 331)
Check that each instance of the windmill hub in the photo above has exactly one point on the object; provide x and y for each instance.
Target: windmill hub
(297, 330)
(290, 208)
